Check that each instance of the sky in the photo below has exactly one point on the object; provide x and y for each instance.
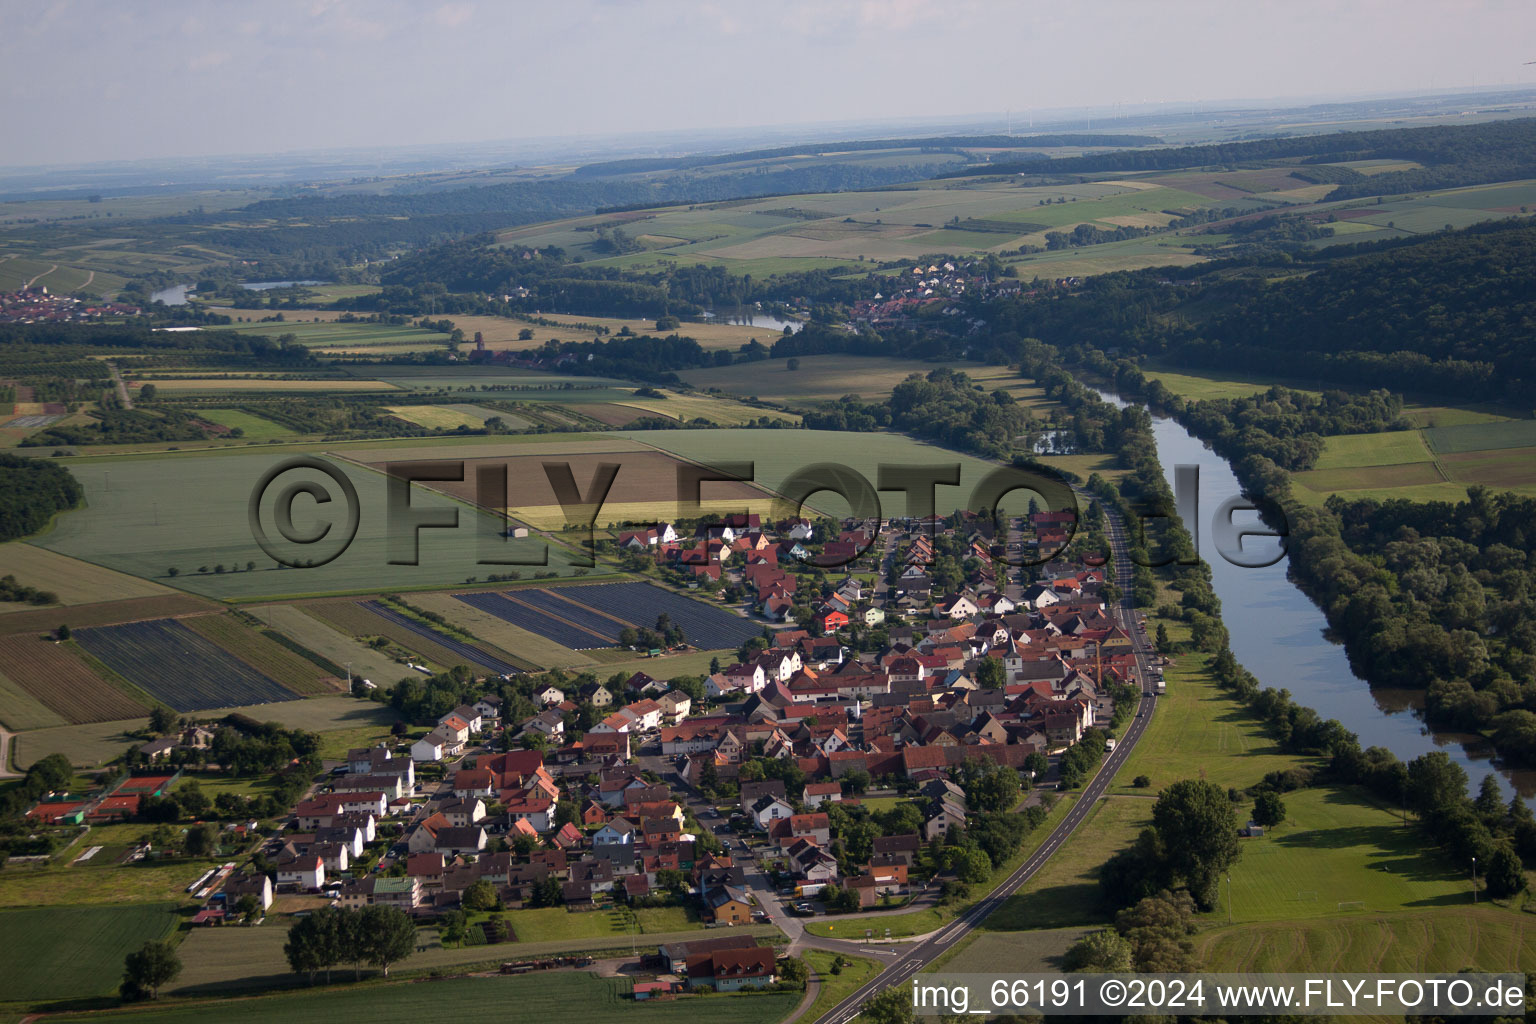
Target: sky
(97, 80)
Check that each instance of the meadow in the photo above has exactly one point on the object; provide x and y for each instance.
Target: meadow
(1483, 938)
(94, 744)
(502, 332)
(323, 337)
(542, 997)
(73, 581)
(63, 952)
(252, 427)
(778, 455)
(147, 515)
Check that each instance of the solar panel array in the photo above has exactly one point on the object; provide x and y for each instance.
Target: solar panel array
(533, 621)
(470, 653)
(179, 667)
(704, 627)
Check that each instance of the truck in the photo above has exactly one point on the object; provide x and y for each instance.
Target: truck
(1109, 746)
(1161, 686)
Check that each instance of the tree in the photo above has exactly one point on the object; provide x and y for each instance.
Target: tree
(1103, 951)
(991, 675)
(1163, 643)
(973, 866)
(248, 907)
(1504, 875)
(1268, 808)
(792, 364)
(453, 928)
(317, 942)
(792, 970)
(62, 632)
(481, 895)
(193, 800)
(161, 719)
(891, 1005)
(201, 841)
(386, 935)
(1197, 827)
(155, 964)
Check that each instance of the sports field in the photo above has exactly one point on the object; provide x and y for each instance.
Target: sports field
(148, 515)
(64, 952)
(542, 997)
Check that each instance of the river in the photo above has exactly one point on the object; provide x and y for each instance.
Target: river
(1278, 633)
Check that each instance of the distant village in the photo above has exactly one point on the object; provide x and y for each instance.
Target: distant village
(37, 305)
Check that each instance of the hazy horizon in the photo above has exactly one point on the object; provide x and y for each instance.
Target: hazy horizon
(188, 79)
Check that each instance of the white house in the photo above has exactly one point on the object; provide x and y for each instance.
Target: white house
(304, 872)
(769, 809)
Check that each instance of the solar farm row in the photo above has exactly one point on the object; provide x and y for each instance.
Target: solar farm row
(471, 654)
(524, 617)
(641, 603)
(174, 665)
(578, 613)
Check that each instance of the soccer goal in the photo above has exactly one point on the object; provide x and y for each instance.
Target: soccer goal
(1352, 905)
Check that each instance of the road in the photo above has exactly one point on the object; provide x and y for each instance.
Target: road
(122, 389)
(913, 957)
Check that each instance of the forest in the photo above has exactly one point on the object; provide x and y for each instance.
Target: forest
(943, 406)
(1453, 155)
(1443, 313)
(31, 493)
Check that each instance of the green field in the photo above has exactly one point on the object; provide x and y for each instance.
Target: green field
(1472, 437)
(1199, 385)
(1010, 952)
(1391, 448)
(94, 883)
(253, 428)
(778, 454)
(63, 952)
(147, 515)
(542, 997)
(1200, 729)
(1447, 938)
(333, 335)
(94, 744)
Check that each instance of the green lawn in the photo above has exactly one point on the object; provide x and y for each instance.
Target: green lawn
(1338, 848)
(553, 996)
(59, 952)
(835, 987)
(1065, 892)
(1010, 952)
(1198, 728)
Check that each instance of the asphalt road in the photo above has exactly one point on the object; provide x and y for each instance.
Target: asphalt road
(913, 958)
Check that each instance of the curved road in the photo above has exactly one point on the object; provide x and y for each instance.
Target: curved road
(913, 958)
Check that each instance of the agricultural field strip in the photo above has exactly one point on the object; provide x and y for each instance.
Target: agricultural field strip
(534, 621)
(704, 627)
(63, 683)
(262, 654)
(173, 664)
(468, 652)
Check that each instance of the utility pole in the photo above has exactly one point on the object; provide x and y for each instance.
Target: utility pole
(1229, 899)
(1474, 880)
